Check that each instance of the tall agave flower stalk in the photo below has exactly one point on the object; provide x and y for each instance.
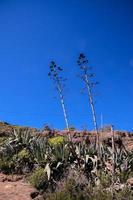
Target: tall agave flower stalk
(113, 155)
(86, 75)
(54, 74)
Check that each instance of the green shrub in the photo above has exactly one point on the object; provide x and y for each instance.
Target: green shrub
(3, 139)
(38, 178)
(105, 179)
(73, 191)
(6, 166)
(98, 193)
(124, 194)
(24, 162)
(60, 196)
(23, 154)
(56, 140)
(124, 176)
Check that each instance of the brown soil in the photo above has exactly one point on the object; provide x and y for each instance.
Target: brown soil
(15, 188)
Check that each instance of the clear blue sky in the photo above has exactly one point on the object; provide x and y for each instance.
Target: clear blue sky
(32, 32)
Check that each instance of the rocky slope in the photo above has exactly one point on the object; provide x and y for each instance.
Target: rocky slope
(77, 135)
(16, 188)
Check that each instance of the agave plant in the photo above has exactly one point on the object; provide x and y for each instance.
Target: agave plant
(60, 152)
(39, 149)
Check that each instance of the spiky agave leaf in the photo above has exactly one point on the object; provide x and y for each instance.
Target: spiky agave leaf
(39, 149)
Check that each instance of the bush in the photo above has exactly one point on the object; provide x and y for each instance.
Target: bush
(24, 162)
(56, 140)
(38, 178)
(23, 154)
(105, 179)
(73, 191)
(124, 176)
(6, 166)
(3, 139)
(124, 194)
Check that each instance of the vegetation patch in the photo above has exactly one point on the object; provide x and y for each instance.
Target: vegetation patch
(56, 140)
(61, 169)
(6, 166)
(38, 178)
(3, 139)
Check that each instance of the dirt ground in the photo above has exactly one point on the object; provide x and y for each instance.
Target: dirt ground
(14, 188)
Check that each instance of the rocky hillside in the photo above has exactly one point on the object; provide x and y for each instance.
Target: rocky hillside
(60, 169)
(7, 129)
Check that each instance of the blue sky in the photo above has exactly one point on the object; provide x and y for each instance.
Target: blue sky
(32, 33)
